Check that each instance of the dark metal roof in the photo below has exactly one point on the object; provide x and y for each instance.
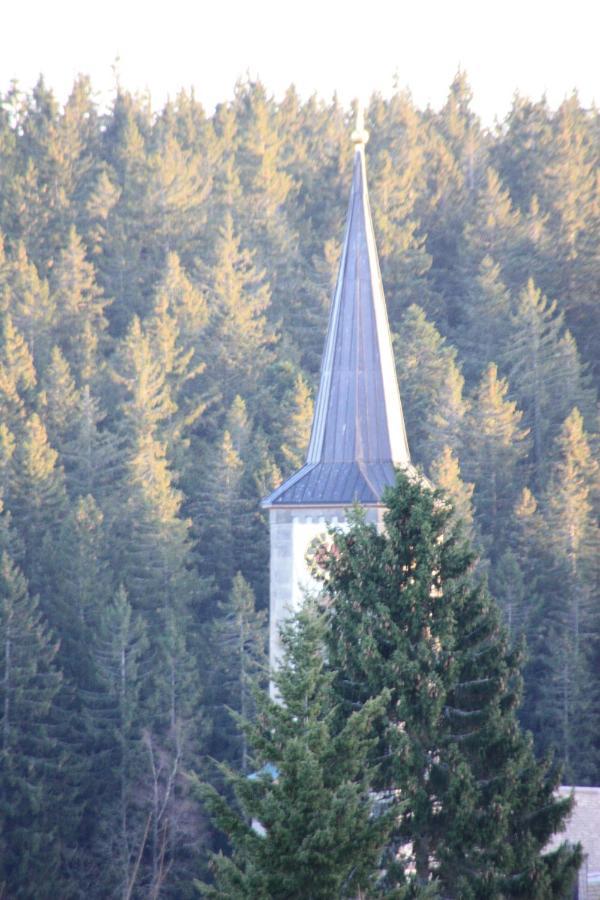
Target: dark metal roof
(358, 432)
(336, 483)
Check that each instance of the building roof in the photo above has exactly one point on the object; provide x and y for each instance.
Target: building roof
(358, 433)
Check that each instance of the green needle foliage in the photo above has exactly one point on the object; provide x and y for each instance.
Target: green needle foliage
(315, 837)
(30, 757)
(407, 618)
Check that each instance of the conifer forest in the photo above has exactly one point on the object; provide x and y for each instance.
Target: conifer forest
(165, 280)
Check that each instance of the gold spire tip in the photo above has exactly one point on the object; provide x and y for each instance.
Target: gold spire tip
(360, 135)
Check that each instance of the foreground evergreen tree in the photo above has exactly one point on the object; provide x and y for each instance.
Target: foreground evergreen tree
(406, 616)
(311, 793)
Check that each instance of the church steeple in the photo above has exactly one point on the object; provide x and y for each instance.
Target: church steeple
(358, 432)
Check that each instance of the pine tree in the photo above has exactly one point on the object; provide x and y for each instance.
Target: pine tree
(455, 159)
(121, 265)
(495, 230)
(533, 363)
(173, 208)
(217, 511)
(402, 248)
(79, 580)
(91, 455)
(25, 295)
(495, 445)
(7, 449)
(462, 129)
(58, 147)
(151, 550)
(577, 387)
(266, 187)
(570, 704)
(445, 474)
(82, 587)
(570, 194)
(238, 640)
(430, 385)
(79, 305)
(523, 148)
(484, 333)
(507, 582)
(36, 500)
(60, 401)
(18, 377)
(174, 338)
(146, 397)
(316, 837)
(290, 416)
(177, 293)
(238, 337)
(95, 217)
(406, 616)
(34, 202)
(116, 717)
(226, 196)
(30, 756)
(151, 545)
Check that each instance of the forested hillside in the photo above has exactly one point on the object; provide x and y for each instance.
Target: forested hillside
(164, 286)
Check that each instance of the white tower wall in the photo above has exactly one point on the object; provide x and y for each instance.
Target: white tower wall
(292, 531)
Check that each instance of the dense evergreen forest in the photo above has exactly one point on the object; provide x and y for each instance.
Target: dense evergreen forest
(164, 286)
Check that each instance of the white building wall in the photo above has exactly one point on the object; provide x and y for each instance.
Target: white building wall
(292, 531)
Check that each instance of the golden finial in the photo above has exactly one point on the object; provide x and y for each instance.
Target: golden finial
(360, 135)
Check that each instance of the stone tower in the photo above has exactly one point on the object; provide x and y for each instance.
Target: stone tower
(358, 434)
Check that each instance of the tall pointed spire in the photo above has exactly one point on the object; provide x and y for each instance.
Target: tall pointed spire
(358, 433)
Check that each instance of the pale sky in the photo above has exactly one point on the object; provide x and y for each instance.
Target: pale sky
(322, 46)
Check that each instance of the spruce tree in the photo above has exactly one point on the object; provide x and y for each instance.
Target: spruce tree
(238, 642)
(495, 230)
(314, 835)
(60, 401)
(494, 449)
(230, 529)
(91, 453)
(79, 305)
(26, 296)
(445, 474)
(484, 332)
(185, 302)
(238, 338)
(523, 150)
(36, 500)
(115, 717)
(430, 385)
(534, 365)
(570, 195)
(30, 756)
(266, 184)
(18, 376)
(173, 331)
(569, 706)
(405, 615)
(81, 581)
(402, 248)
